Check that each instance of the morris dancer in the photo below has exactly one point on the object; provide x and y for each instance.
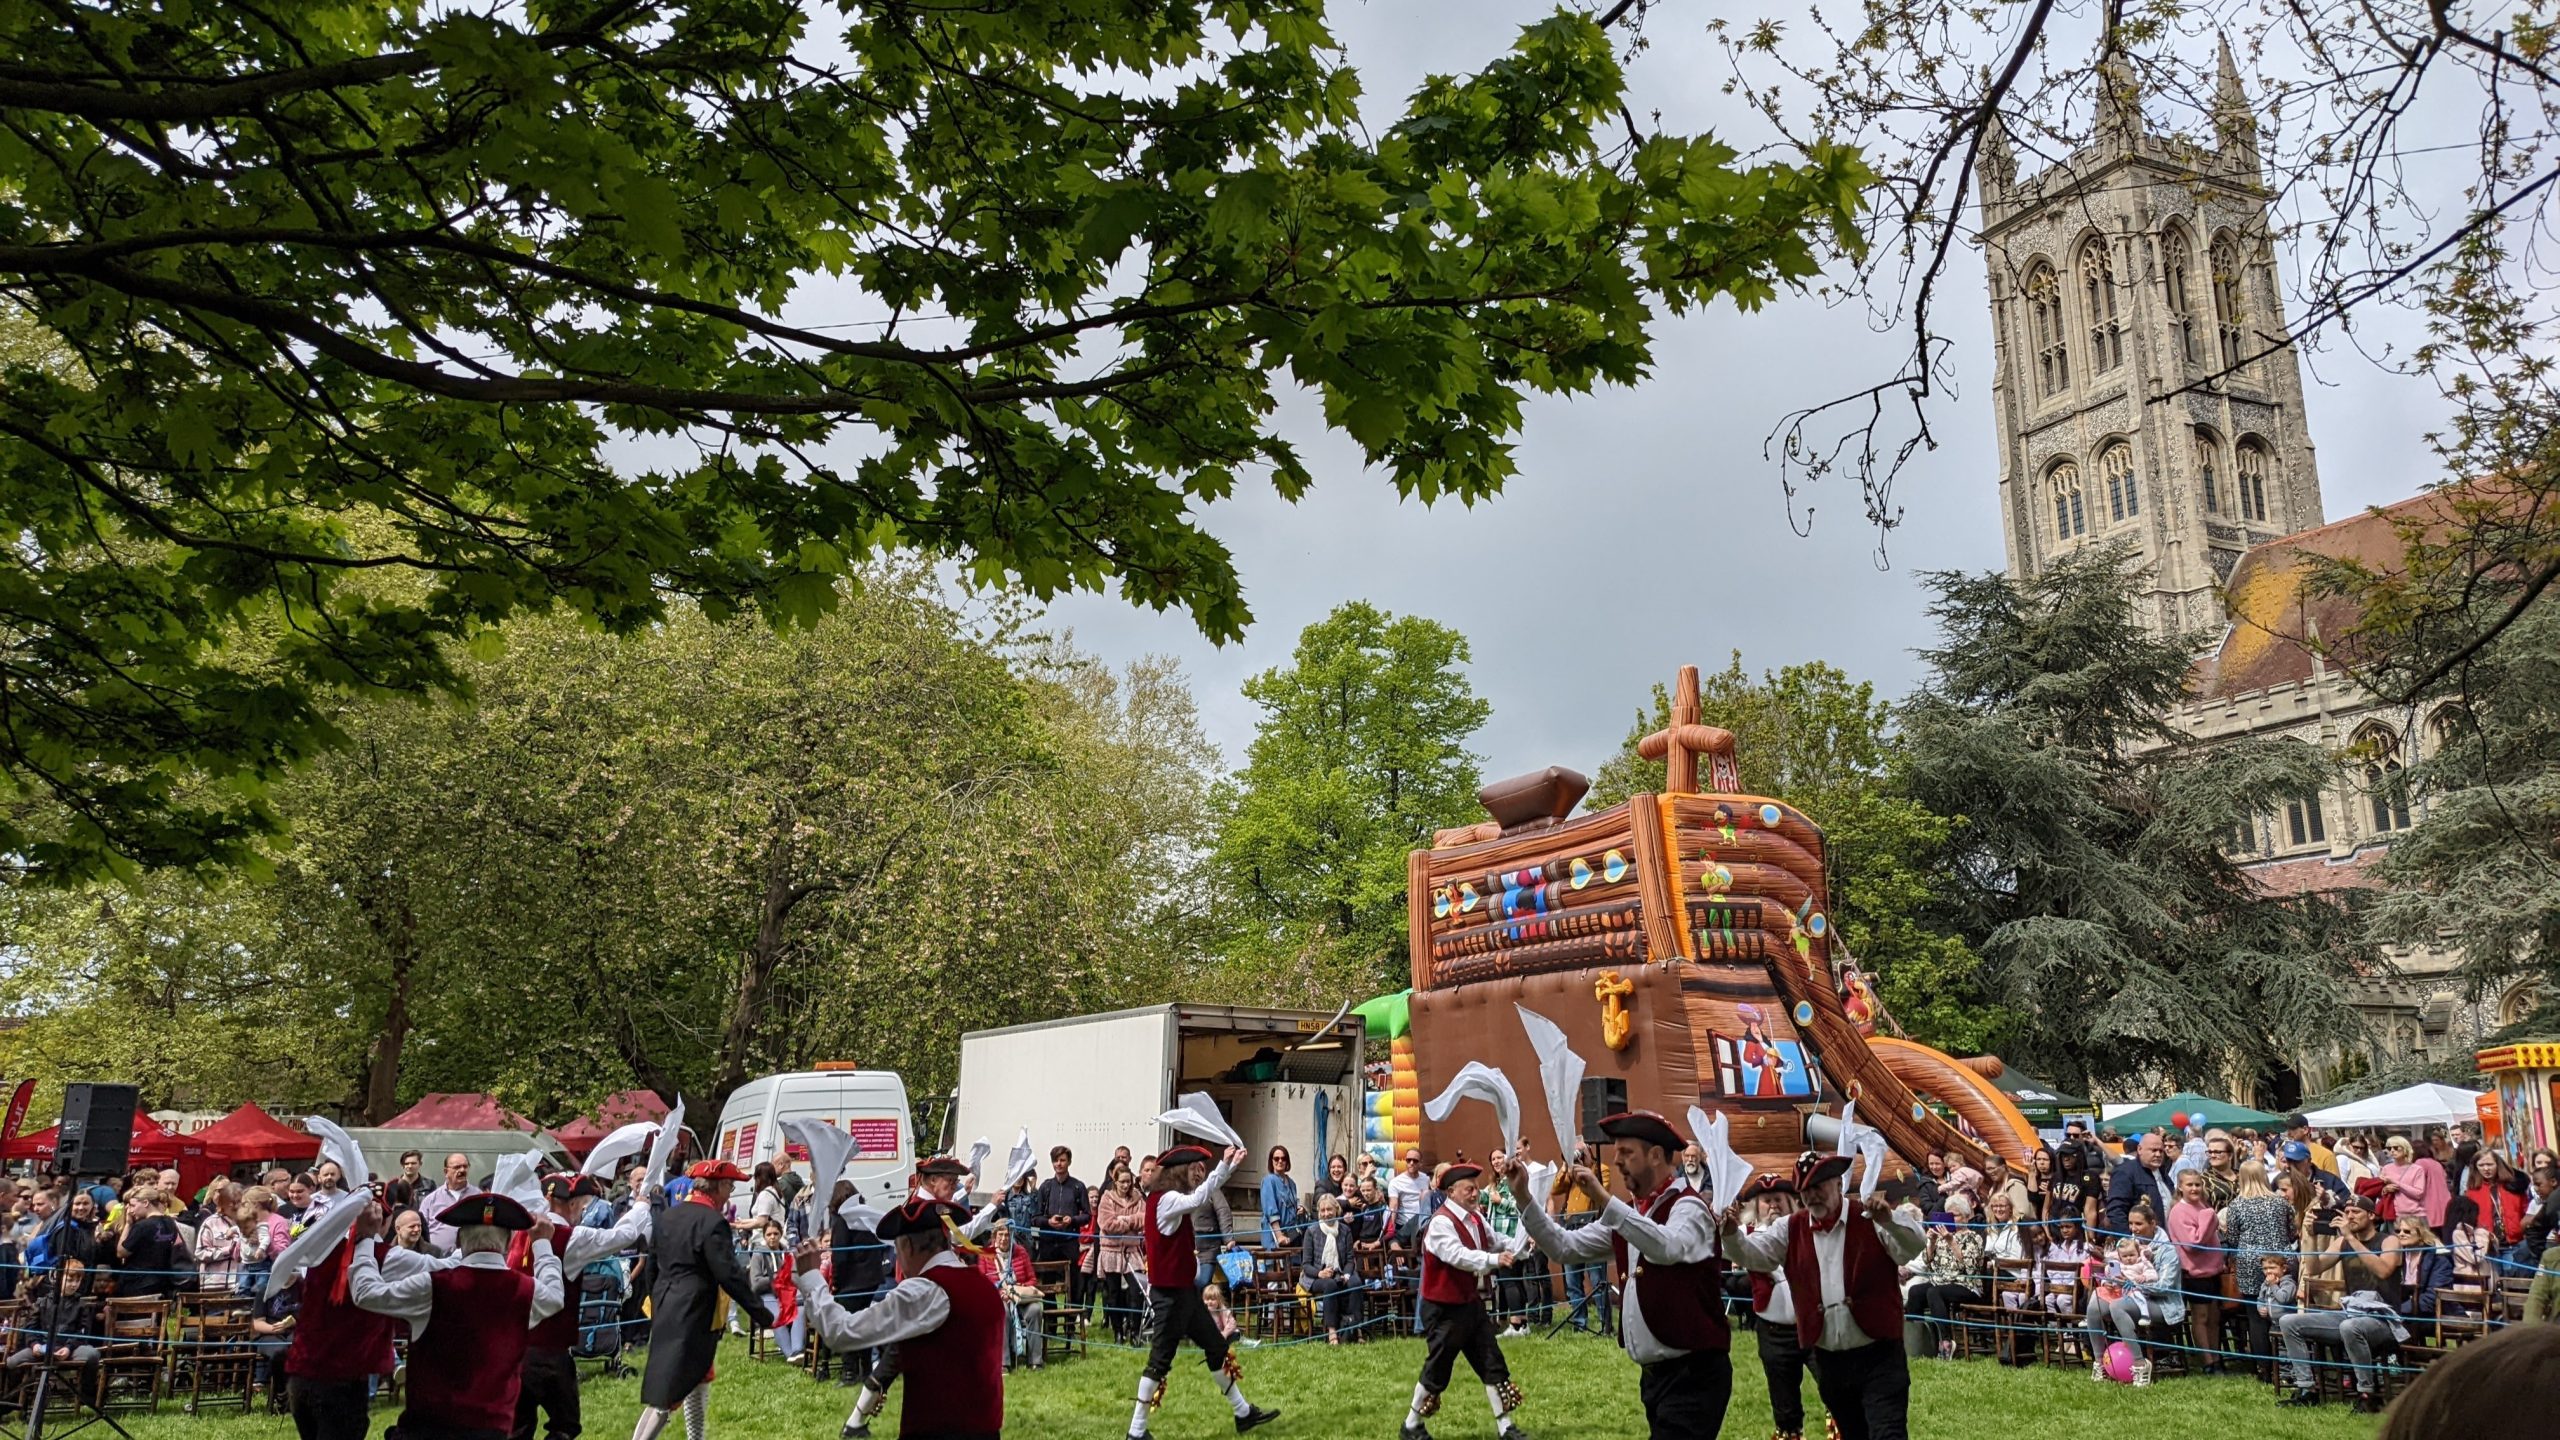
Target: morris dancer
(338, 1350)
(1457, 1255)
(1773, 1313)
(1184, 1184)
(1841, 1277)
(468, 1322)
(550, 1389)
(937, 1180)
(692, 1264)
(945, 1318)
(1673, 1312)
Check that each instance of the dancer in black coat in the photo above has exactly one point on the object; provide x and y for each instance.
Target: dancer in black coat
(694, 1262)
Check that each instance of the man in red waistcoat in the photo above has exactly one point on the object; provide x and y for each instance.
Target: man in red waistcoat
(937, 1180)
(944, 1316)
(1665, 1244)
(550, 1389)
(337, 1349)
(1184, 1185)
(1841, 1276)
(468, 1322)
(1457, 1254)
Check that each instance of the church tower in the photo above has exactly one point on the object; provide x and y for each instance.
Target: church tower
(2121, 278)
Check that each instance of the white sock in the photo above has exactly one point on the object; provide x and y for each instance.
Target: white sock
(697, 1413)
(1147, 1388)
(1235, 1396)
(1421, 1397)
(868, 1403)
(652, 1420)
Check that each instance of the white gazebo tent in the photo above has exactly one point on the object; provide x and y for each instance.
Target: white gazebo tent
(2428, 1104)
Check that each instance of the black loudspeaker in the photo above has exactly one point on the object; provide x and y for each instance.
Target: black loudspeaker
(97, 1129)
(1600, 1100)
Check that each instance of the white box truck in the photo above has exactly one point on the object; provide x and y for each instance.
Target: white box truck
(1093, 1082)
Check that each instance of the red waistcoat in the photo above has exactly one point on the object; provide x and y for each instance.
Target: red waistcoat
(464, 1372)
(333, 1341)
(560, 1332)
(1173, 1261)
(1867, 1280)
(1444, 1284)
(1683, 1304)
(955, 1375)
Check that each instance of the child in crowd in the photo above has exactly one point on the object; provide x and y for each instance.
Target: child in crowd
(1213, 1298)
(2277, 1293)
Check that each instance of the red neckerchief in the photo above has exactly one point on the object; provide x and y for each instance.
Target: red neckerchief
(1646, 1209)
(1821, 1227)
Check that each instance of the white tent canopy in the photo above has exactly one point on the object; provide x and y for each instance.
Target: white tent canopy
(2428, 1104)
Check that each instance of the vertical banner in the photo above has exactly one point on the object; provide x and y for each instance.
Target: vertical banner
(18, 1101)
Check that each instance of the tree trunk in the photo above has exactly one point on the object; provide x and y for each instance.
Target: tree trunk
(396, 926)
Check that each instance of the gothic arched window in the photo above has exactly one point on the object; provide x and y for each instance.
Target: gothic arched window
(2053, 352)
(2385, 790)
(2251, 473)
(2208, 456)
(2124, 501)
(2070, 512)
(2177, 277)
(2098, 307)
(2229, 271)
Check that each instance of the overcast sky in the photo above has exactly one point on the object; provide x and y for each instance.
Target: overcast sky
(1645, 530)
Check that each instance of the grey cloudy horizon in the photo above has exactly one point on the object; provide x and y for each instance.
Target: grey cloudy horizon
(1645, 529)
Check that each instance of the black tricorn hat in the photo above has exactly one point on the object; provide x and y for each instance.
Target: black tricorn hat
(920, 1216)
(486, 1208)
(1643, 1125)
(1452, 1174)
(1183, 1155)
(942, 1165)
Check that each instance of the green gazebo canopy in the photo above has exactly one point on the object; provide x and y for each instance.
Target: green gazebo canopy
(2044, 1103)
(2191, 1104)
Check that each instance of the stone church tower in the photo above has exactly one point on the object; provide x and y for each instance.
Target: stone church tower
(2121, 277)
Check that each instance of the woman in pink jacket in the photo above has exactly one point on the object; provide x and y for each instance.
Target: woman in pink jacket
(2419, 1179)
(2196, 1228)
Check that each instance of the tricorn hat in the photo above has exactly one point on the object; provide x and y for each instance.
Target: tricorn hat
(1452, 1174)
(919, 1216)
(942, 1165)
(1183, 1155)
(486, 1208)
(1643, 1125)
(1813, 1167)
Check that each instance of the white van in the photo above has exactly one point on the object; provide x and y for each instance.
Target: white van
(871, 1105)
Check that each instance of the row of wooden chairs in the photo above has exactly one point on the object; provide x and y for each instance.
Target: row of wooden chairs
(152, 1349)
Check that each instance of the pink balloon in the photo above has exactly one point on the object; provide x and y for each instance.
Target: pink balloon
(2120, 1363)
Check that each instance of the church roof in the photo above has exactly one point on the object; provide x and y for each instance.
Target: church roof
(2315, 874)
(2276, 619)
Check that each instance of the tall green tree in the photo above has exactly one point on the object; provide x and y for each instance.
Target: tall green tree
(1361, 753)
(2085, 859)
(529, 285)
(1825, 744)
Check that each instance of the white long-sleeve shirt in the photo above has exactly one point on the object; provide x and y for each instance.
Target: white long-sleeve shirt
(1765, 1249)
(1440, 1240)
(1179, 1203)
(915, 1306)
(411, 1295)
(1686, 1238)
(588, 1244)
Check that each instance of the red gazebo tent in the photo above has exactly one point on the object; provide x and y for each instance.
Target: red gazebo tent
(244, 1136)
(582, 1134)
(153, 1144)
(440, 1110)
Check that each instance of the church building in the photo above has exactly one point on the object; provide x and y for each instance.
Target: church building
(2147, 394)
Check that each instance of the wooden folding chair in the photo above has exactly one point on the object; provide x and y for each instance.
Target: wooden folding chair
(135, 1355)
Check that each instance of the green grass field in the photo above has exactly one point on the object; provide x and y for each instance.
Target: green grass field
(1578, 1387)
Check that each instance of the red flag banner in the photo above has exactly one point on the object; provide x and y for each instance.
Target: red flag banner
(18, 1101)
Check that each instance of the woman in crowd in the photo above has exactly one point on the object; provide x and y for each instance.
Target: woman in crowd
(1337, 1179)
(1927, 1187)
(1120, 1221)
(2418, 1178)
(2256, 1224)
(1007, 1266)
(2221, 1168)
(2355, 1158)
(2426, 1269)
(1022, 1206)
(2300, 1199)
(271, 1322)
(78, 1239)
(1329, 1270)
(1948, 1273)
(2497, 1197)
(2196, 1229)
(765, 1204)
(2073, 1193)
(263, 1235)
(220, 1247)
(2141, 1283)
(1279, 1200)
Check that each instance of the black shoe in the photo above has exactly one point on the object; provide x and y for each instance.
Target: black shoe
(2301, 1397)
(2368, 1403)
(1414, 1432)
(1253, 1417)
(857, 1432)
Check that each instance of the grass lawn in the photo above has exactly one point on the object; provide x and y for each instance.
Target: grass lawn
(1578, 1387)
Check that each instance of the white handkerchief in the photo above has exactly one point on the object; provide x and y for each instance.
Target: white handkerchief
(860, 1215)
(663, 1149)
(978, 1150)
(519, 1178)
(1197, 1114)
(1477, 1080)
(1865, 1148)
(829, 1148)
(1559, 1074)
(609, 1151)
(1018, 1164)
(338, 1145)
(1728, 1174)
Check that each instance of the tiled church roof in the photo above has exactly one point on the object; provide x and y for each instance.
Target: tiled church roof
(2276, 619)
